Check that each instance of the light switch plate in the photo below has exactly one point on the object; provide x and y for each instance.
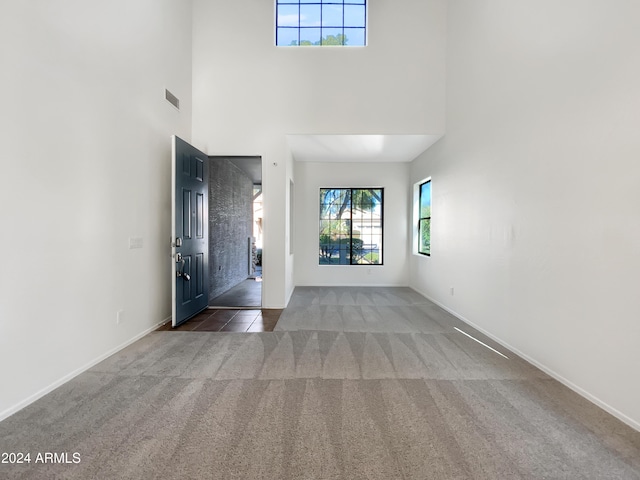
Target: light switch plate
(135, 242)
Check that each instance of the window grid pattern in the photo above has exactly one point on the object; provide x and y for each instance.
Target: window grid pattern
(320, 22)
(424, 222)
(351, 226)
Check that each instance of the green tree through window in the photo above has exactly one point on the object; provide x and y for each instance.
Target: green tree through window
(328, 40)
(350, 226)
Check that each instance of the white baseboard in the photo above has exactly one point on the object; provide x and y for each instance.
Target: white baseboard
(38, 395)
(568, 383)
(359, 285)
(288, 299)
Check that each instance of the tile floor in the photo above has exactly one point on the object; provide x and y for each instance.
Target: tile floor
(230, 320)
(246, 294)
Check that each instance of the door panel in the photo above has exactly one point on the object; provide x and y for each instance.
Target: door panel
(187, 297)
(199, 275)
(200, 215)
(190, 231)
(186, 214)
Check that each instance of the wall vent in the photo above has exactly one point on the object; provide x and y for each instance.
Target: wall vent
(172, 99)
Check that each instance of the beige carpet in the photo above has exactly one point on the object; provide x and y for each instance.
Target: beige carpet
(309, 404)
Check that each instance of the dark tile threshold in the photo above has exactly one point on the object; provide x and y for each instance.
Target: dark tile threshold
(229, 320)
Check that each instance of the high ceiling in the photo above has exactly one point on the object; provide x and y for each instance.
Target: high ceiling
(344, 148)
(359, 148)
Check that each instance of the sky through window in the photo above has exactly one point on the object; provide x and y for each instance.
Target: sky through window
(321, 22)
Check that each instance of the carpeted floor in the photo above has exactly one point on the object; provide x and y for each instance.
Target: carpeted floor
(367, 384)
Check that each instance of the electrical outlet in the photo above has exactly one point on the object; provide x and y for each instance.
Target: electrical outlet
(451, 290)
(119, 317)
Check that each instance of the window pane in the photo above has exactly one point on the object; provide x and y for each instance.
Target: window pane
(287, 36)
(368, 200)
(425, 200)
(354, 37)
(371, 255)
(309, 36)
(334, 227)
(425, 237)
(334, 202)
(288, 16)
(309, 15)
(332, 36)
(354, 16)
(332, 16)
(367, 222)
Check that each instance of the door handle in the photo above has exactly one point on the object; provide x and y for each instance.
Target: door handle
(180, 271)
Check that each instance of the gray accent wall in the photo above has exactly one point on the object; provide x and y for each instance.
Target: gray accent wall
(230, 225)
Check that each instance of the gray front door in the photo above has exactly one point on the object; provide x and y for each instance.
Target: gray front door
(190, 231)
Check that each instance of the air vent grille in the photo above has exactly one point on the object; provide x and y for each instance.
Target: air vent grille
(172, 99)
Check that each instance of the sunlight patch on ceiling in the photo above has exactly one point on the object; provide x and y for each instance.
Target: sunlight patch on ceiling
(359, 148)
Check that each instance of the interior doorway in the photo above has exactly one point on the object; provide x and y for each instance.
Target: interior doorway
(235, 231)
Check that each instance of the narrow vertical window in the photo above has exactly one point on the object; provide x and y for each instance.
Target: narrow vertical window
(321, 22)
(424, 222)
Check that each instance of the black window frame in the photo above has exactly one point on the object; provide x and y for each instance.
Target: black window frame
(350, 240)
(321, 27)
(421, 218)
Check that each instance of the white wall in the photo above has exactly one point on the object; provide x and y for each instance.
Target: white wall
(248, 94)
(393, 177)
(535, 187)
(290, 238)
(85, 135)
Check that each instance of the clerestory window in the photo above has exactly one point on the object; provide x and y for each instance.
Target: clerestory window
(351, 226)
(321, 22)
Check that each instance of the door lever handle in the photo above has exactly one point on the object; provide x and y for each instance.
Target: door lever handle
(180, 271)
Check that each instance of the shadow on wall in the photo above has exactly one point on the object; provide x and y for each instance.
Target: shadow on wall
(233, 248)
